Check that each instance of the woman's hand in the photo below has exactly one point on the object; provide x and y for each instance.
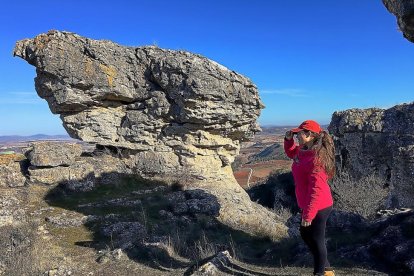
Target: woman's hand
(289, 135)
(305, 223)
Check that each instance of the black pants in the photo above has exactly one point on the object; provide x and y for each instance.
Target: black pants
(314, 237)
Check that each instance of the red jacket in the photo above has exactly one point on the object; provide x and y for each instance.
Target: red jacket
(311, 181)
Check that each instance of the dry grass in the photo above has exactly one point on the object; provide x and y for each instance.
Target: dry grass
(204, 248)
(283, 212)
(362, 196)
(17, 254)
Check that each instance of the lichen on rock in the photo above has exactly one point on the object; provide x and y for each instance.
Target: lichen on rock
(168, 115)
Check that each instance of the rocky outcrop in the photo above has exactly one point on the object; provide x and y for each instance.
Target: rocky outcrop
(178, 109)
(393, 235)
(162, 114)
(11, 170)
(11, 211)
(378, 142)
(47, 154)
(213, 265)
(61, 162)
(404, 11)
(141, 98)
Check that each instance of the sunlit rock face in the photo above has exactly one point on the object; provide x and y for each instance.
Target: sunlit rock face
(167, 115)
(176, 103)
(149, 99)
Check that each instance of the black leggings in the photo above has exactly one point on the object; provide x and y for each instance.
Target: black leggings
(314, 237)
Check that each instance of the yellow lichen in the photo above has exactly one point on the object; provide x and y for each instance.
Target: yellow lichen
(89, 68)
(7, 158)
(110, 72)
(41, 40)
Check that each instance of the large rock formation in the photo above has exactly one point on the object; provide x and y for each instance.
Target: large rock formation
(169, 115)
(187, 108)
(404, 11)
(381, 142)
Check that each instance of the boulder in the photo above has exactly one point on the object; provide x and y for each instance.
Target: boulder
(166, 115)
(11, 210)
(11, 167)
(53, 154)
(393, 235)
(78, 171)
(82, 173)
(174, 109)
(378, 142)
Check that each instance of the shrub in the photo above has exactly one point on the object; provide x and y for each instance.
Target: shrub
(277, 193)
(363, 196)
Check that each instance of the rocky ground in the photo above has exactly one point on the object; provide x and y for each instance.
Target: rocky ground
(135, 227)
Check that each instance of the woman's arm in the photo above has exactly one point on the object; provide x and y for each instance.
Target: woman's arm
(291, 149)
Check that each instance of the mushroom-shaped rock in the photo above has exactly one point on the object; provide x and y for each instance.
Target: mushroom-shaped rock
(169, 115)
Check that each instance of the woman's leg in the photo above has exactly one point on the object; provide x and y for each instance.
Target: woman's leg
(307, 236)
(314, 237)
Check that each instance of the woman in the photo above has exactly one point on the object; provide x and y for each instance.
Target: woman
(313, 164)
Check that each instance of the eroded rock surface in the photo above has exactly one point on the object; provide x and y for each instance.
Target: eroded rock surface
(162, 114)
(142, 97)
(12, 168)
(378, 142)
(48, 154)
(178, 109)
(404, 11)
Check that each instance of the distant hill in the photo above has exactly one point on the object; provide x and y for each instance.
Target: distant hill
(18, 138)
(279, 130)
(273, 152)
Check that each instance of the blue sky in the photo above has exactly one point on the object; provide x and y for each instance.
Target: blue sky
(308, 58)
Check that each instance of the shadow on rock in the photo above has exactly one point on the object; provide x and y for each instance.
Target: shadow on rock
(159, 225)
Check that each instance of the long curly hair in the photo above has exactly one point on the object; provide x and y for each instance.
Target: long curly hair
(324, 147)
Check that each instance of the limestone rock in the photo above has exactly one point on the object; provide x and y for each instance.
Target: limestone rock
(107, 255)
(194, 202)
(176, 108)
(11, 175)
(5, 159)
(404, 11)
(162, 114)
(78, 171)
(67, 219)
(53, 154)
(387, 213)
(393, 235)
(138, 97)
(378, 142)
(11, 211)
(213, 265)
(11, 170)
